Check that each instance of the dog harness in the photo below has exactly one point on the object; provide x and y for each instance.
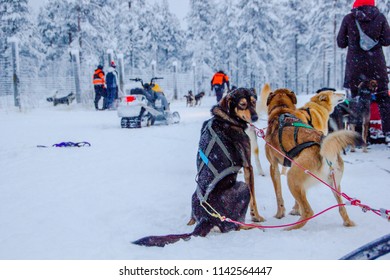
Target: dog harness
(288, 120)
(206, 162)
(310, 117)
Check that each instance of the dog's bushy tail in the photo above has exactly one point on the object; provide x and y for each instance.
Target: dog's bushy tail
(201, 229)
(335, 142)
(161, 241)
(261, 106)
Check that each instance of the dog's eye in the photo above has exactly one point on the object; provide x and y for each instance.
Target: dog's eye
(242, 105)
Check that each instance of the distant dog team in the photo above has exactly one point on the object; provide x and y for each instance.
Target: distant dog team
(194, 100)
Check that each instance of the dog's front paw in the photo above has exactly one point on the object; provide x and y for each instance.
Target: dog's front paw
(191, 222)
(295, 212)
(279, 215)
(257, 218)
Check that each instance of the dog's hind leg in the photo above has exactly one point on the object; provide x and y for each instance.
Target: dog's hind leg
(233, 204)
(343, 212)
(338, 174)
(295, 210)
(296, 180)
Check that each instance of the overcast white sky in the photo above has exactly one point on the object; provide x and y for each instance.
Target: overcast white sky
(179, 7)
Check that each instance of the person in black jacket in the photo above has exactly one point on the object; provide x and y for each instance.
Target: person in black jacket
(112, 86)
(364, 65)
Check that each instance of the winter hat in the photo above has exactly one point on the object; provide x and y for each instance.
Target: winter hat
(359, 3)
(113, 64)
(100, 66)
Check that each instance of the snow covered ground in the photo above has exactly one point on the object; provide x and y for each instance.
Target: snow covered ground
(91, 202)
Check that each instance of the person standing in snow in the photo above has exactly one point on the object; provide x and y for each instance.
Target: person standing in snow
(161, 96)
(98, 83)
(362, 65)
(218, 84)
(112, 86)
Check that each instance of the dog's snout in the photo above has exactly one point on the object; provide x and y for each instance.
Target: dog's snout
(254, 117)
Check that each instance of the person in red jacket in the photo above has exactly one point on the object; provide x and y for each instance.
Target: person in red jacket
(99, 85)
(218, 84)
(362, 65)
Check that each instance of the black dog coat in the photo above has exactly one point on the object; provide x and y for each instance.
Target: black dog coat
(222, 153)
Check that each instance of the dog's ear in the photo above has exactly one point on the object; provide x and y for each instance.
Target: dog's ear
(323, 97)
(224, 103)
(270, 96)
(292, 96)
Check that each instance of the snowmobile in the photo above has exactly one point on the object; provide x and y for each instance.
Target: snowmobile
(145, 107)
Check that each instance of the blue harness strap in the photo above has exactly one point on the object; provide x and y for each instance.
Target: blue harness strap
(203, 157)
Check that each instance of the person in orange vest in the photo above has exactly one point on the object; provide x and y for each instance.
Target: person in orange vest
(98, 83)
(218, 84)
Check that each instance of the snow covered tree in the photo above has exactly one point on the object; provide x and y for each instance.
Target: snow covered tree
(225, 40)
(86, 25)
(258, 45)
(15, 21)
(167, 38)
(201, 18)
(58, 27)
(325, 56)
(132, 28)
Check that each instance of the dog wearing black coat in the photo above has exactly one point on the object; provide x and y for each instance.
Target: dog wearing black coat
(360, 106)
(224, 148)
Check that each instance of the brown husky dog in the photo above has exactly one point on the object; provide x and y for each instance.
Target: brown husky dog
(224, 149)
(318, 109)
(308, 148)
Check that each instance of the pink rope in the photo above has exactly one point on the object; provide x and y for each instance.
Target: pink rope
(352, 201)
(285, 225)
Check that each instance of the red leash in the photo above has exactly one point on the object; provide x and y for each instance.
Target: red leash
(281, 226)
(350, 201)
